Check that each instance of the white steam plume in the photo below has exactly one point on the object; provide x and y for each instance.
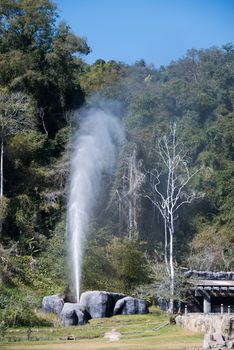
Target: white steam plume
(94, 151)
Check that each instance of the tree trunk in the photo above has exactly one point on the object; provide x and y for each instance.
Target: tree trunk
(166, 247)
(133, 188)
(172, 274)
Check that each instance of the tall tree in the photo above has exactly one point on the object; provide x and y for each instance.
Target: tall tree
(39, 57)
(170, 192)
(14, 118)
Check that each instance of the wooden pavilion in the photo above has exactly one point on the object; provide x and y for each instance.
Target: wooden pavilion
(214, 296)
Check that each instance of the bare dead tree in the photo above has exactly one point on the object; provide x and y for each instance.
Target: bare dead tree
(128, 193)
(170, 192)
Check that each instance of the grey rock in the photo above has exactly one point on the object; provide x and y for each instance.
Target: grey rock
(130, 306)
(73, 314)
(219, 339)
(68, 316)
(100, 303)
(230, 344)
(71, 337)
(52, 303)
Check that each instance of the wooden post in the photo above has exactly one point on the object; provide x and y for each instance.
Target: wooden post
(221, 309)
(206, 304)
(229, 310)
(185, 310)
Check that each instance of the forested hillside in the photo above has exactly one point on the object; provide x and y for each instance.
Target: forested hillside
(43, 78)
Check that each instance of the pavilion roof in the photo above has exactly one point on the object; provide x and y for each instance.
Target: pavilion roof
(213, 283)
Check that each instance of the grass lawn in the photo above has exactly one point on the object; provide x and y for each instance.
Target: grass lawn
(143, 332)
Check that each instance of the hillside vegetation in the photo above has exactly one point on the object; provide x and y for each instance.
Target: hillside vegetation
(43, 78)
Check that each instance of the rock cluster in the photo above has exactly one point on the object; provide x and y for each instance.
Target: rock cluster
(217, 341)
(93, 304)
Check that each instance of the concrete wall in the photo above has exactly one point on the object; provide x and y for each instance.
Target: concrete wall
(207, 323)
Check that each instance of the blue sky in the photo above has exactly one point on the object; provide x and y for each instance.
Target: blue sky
(157, 31)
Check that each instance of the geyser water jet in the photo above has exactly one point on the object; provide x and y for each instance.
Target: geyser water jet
(94, 151)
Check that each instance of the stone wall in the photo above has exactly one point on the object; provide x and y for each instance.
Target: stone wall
(207, 323)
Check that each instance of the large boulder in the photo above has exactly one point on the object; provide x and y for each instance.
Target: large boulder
(131, 306)
(73, 314)
(52, 303)
(100, 303)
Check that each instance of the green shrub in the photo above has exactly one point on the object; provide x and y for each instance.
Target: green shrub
(17, 309)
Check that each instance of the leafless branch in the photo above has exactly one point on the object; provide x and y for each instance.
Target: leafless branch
(42, 114)
(168, 202)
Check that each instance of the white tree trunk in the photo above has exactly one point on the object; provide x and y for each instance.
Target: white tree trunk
(166, 247)
(132, 198)
(172, 276)
(128, 195)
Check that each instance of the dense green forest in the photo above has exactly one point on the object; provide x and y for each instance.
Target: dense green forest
(43, 79)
